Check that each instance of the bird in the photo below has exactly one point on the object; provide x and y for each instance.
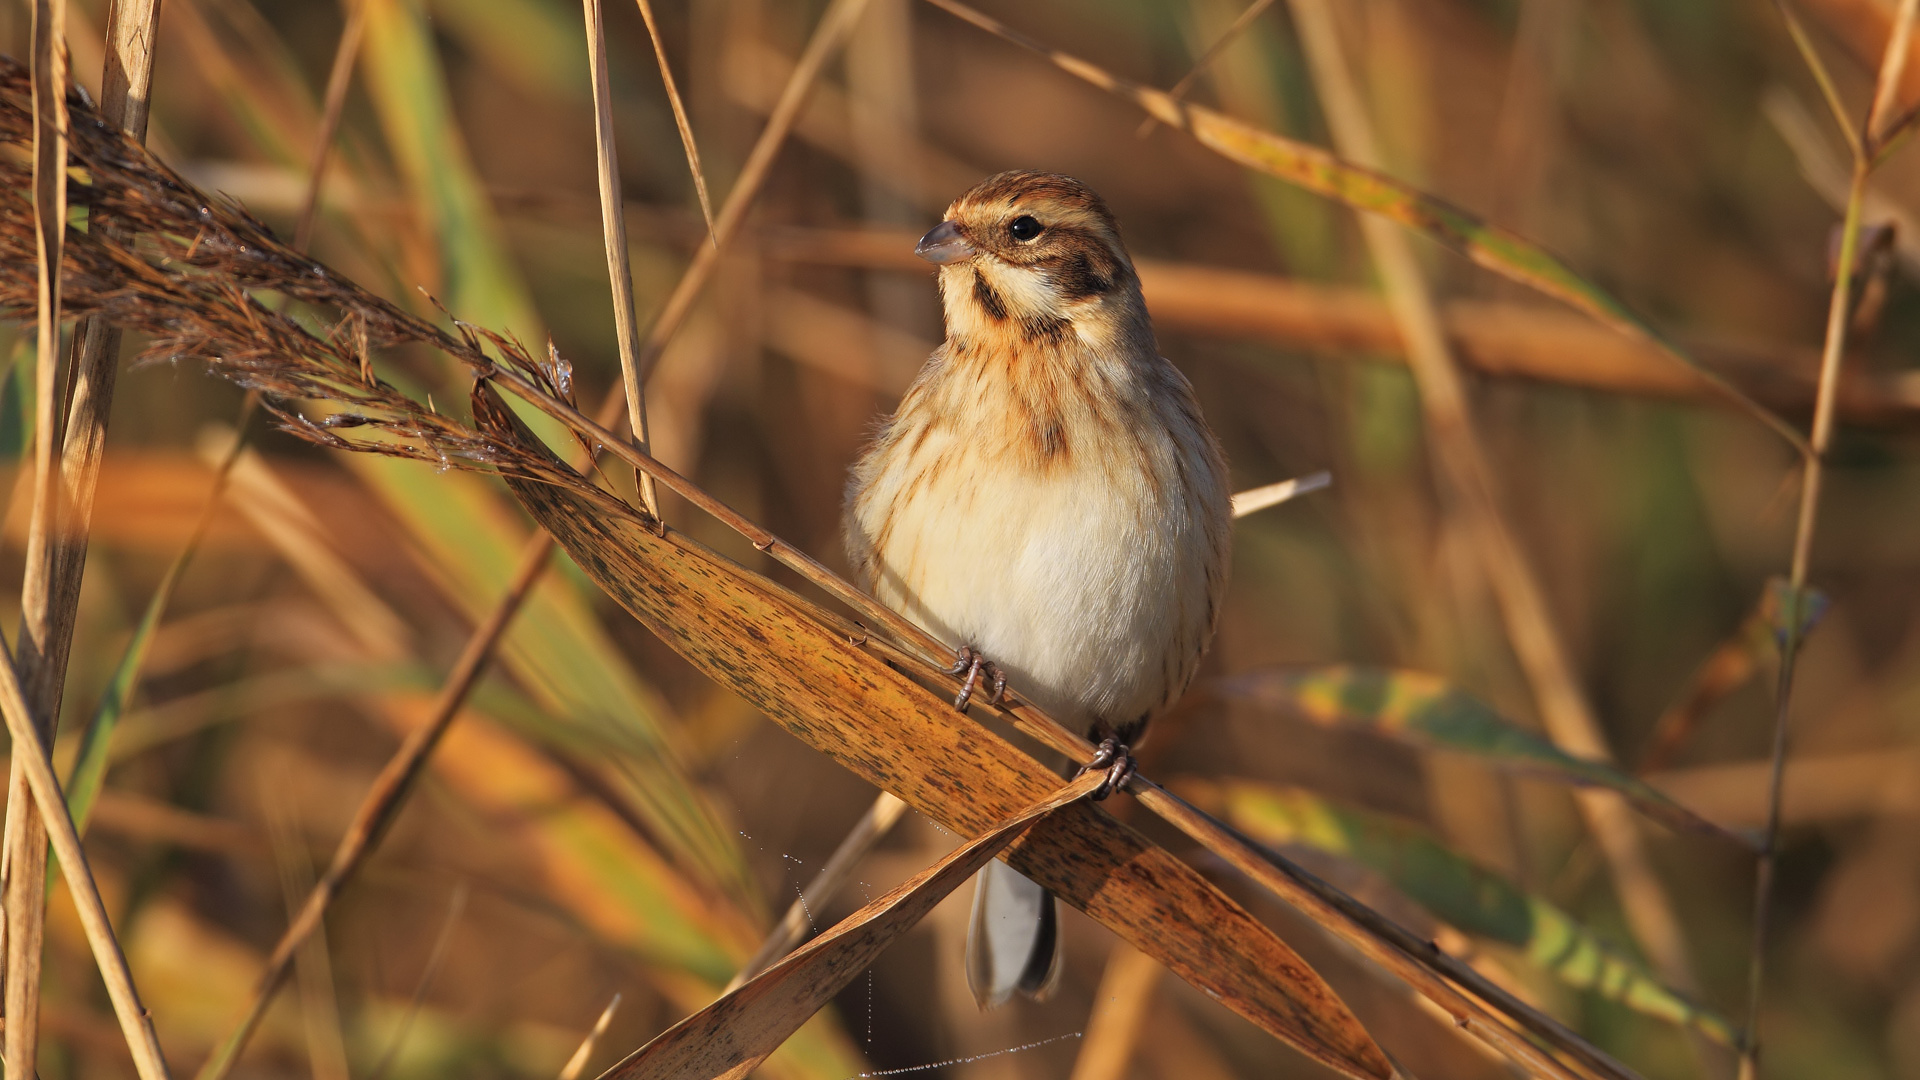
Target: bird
(1047, 495)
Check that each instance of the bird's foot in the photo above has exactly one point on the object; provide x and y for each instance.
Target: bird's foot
(1114, 757)
(973, 665)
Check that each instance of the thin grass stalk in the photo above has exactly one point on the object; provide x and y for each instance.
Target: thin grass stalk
(1453, 435)
(680, 121)
(1818, 68)
(319, 1003)
(1867, 153)
(339, 79)
(873, 825)
(30, 756)
(456, 906)
(1893, 66)
(613, 222)
(576, 1065)
(1179, 90)
(40, 630)
(830, 33)
(389, 791)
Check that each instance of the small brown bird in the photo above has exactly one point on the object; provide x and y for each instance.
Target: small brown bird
(1047, 496)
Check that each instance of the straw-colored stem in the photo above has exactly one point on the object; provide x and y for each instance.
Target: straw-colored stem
(680, 120)
(613, 223)
(1867, 155)
(1452, 433)
(1893, 66)
(576, 1065)
(1839, 310)
(30, 756)
(339, 79)
(42, 627)
(828, 35)
(868, 831)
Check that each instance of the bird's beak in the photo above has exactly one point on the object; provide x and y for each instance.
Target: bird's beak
(944, 244)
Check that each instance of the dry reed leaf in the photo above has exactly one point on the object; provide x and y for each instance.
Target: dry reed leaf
(1321, 172)
(733, 1035)
(1504, 339)
(757, 640)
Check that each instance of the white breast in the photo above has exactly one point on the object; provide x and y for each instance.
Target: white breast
(1089, 581)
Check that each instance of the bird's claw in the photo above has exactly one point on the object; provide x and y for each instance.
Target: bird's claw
(972, 664)
(1114, 757)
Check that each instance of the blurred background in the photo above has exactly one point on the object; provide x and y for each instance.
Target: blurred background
(602, 820)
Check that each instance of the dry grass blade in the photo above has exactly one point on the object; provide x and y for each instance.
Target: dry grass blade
(613, 222)
(1507, 340)
(339, 78)
(30, 756)
(576, 1065)
(735, 1034)
(46, 624)
(1316, 170)
(1882, 118)
(680, 120)
(868, 831)
(828, 689)
(1119, 1014)
(372, 323)
(1254, 500)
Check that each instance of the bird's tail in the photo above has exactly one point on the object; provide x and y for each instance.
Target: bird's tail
(1013, 942)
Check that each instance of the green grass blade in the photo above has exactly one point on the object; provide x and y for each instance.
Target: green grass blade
(1425, 711)
(1462, 894)
(96, 741)
(539, 46)
(408, 86)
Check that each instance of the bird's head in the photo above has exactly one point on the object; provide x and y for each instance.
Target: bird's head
(1037, 256)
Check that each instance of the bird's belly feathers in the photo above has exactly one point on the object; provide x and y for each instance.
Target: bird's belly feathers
(1086, 582)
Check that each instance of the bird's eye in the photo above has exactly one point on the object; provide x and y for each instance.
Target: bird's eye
(1024, 228)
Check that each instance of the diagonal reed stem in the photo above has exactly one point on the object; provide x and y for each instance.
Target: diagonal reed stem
(339, 80)
(1867, 147)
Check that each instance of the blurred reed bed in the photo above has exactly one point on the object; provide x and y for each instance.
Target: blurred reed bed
(616, 824)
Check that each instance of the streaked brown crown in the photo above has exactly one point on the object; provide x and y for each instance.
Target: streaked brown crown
(1078, 248)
